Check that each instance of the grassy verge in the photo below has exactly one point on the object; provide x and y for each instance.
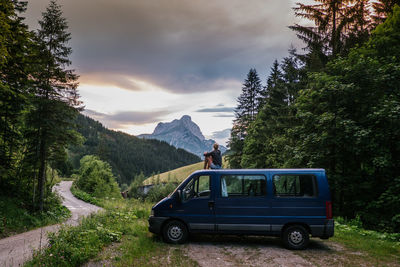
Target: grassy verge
(86, 197)
(379, 247)
(15, 219)
(123, 221)
(179, 174)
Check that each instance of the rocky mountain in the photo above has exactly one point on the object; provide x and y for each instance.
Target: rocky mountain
(183, 133)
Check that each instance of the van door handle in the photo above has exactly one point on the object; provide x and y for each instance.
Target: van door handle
(211, 204)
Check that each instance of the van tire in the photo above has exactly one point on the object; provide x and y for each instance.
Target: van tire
(175, 232)
(295, 237)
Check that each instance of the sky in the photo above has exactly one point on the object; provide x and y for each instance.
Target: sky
(142, 62)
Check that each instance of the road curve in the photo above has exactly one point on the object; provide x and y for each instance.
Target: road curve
(17, 249)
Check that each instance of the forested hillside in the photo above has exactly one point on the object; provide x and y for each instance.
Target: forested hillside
(127, 154)
(337, 107)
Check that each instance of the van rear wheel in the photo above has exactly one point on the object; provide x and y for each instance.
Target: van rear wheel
(175, 232)
(295, 237)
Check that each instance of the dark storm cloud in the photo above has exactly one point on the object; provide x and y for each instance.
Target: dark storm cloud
(183, 46)
(126, 118)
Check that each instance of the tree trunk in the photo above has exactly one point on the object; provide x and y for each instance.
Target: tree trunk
(333, 37)
(42, 170)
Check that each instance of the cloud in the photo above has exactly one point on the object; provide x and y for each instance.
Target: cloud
(224, 116)
(182, 46)
(221, 137)
(221, 134)
(113, 79)
(217, 109)
(123, 119)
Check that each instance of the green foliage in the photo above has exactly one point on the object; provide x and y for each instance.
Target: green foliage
(37, 100)
(73, 246)
(350, 126)
(339, 25)
(268, 144)
(15, 218)
(95, 178)
(344, 118)
(381, 248)
(135, 189)
(54, 96)
(127, 154)
(249, 103)
(160, 191)
(86, 197)
(382, 9)
(355, 225)
(124, 222)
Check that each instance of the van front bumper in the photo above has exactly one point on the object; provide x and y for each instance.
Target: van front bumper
(155, 224)
(323, 231)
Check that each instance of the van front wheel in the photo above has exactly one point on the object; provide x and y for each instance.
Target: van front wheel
(175, 232)
(295, 237)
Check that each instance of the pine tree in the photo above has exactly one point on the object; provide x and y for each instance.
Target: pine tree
(382, 9)
(50, 120)
(15, 43)
(245, 113)
(335, 22)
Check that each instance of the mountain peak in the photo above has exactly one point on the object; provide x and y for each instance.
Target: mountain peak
(186, 118)
(183, 133)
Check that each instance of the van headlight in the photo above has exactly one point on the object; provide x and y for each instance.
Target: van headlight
(152, 213)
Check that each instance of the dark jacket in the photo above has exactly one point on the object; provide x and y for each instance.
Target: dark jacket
(216, 157)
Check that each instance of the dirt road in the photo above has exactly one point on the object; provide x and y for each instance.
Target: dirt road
(17, 249)
(223, 251)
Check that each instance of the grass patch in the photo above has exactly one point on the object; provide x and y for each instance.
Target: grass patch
(86, 197)
(14, 218)
(179, 174)
(122, 221)
(380, 247)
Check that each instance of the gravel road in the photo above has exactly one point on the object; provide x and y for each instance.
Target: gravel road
(17, 249)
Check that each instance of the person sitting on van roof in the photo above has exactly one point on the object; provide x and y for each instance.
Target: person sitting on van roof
(215, 156)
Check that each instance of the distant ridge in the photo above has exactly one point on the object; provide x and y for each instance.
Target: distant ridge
(183, 133)
(127, 154)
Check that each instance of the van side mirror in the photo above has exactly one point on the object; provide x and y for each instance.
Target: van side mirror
(178, 195)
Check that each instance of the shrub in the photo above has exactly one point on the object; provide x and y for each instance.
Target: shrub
(159, 191)
(95, 178)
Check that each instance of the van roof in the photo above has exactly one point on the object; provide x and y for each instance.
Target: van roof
(305, 170)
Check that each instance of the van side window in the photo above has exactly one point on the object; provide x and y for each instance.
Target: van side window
(243, 185)
(288, 185)
(197, 187)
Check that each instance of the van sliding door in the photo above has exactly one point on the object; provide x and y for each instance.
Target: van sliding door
(241, 205)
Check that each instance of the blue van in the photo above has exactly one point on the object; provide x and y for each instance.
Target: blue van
(290, 203)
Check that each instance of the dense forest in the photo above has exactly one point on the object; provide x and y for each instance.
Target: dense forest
(128, 155)
(334, 106)
(38, 103)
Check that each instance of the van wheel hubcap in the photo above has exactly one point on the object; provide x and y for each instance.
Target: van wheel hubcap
(296, 237)
(175, 232)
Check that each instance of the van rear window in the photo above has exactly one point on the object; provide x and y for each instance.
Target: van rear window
(243, 185)
(288, 185)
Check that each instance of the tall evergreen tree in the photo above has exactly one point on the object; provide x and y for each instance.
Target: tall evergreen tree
(245, 113)
(55, 98)
(350, 126)
(335, 22)
(267, 140)
(382, 9)
(15, 43)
